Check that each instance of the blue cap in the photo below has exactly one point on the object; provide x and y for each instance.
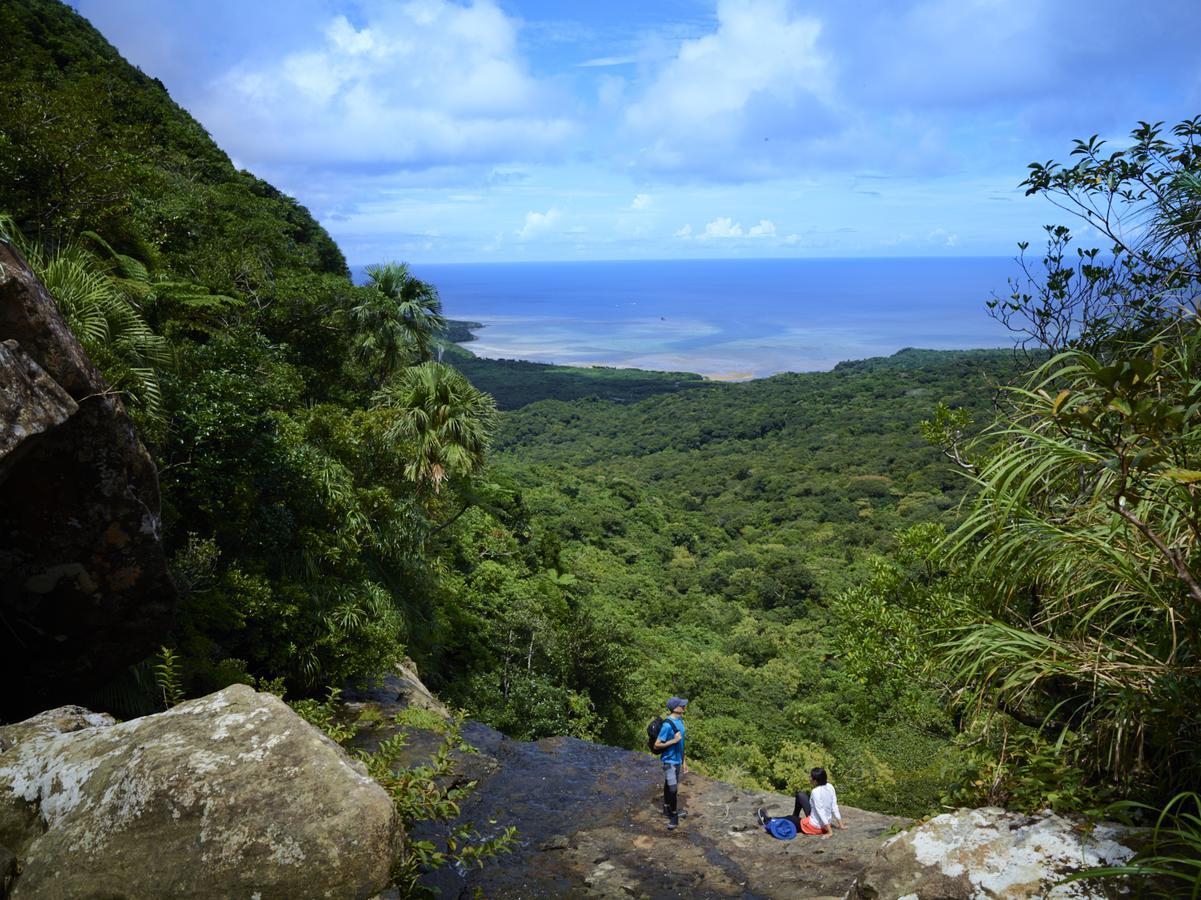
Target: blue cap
(675, 702)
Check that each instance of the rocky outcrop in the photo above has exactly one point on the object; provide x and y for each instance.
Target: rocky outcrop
(590, 824)
(231, 795)
(401, 688)
(32, 403)
(979, 854)
(84, 588)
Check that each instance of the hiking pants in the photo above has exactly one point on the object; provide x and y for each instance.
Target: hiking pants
(671, 784)
(800, 807)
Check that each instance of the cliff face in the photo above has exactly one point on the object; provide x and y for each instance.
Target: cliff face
(84, 588)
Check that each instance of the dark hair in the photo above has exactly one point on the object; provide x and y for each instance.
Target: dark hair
(818, 775)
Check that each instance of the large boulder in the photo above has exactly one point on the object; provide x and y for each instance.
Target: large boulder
(973, 854)
(231, 795)
(84, 586)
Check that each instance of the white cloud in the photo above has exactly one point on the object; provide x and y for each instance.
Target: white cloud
(725, 228)
(722, 228)
(943, 237)
(726, 96)
(537, 223)
(641, 201)
(419, 83)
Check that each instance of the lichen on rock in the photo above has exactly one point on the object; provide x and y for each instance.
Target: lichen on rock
(989, 853)
(227, 795)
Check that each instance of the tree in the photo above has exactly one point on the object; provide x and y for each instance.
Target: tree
(399, 316)
(1085, 533)
(1088, 528)
(1146, 200)
(446, 422)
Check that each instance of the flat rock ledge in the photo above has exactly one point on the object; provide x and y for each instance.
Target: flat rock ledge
(230, 795)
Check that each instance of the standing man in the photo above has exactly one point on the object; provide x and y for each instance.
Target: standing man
(671, 742)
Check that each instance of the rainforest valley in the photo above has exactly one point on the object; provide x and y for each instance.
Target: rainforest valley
(952, 578)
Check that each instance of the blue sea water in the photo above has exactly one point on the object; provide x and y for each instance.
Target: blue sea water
(723, 318)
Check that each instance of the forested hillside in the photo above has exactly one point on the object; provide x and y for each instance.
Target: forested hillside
(712, 529)
(286, 408)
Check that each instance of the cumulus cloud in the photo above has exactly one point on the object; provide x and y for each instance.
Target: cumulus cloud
(417, 84)
(724, 97)
(723, 227)
(641, 201)
(538, 223)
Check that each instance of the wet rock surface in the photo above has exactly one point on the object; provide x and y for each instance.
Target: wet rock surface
(84, 587)
(591, 825)
(230, 795)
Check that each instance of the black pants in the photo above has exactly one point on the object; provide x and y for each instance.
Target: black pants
(800, 807)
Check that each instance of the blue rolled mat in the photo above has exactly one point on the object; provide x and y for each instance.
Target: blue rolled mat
(781, 829)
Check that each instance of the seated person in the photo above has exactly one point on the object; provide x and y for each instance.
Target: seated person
(820, 808)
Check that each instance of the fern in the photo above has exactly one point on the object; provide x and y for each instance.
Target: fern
(166, 674)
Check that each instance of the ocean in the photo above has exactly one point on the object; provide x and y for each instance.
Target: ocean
(725, 319)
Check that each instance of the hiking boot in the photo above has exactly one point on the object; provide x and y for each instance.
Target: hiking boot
(673, 822)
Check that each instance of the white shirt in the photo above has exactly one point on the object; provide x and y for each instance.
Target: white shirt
(824, 806)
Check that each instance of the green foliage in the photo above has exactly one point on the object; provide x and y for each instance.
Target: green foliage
(324, 715)
(427, 795)
(89, 142)
(1016, 767)
(398, 313)
(1085, 528)
(100, 302)
(1170, 865)
(444, 422)
(516, 383)
(1144, 199)
(424, 719)
(166, 674)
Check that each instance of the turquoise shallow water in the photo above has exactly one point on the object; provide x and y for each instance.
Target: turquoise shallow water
(723, 318)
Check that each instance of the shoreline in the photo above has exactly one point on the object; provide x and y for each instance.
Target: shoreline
(465, 330)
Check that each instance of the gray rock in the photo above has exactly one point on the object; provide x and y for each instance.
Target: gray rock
(231, 795)
(84, 587)
(31, 402)
(63, 720)
(992, 853)
(8, 870)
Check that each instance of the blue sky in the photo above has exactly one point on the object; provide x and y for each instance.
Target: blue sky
(441, 131)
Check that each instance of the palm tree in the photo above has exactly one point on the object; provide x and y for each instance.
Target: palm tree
(447, 420)
(402, 315)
